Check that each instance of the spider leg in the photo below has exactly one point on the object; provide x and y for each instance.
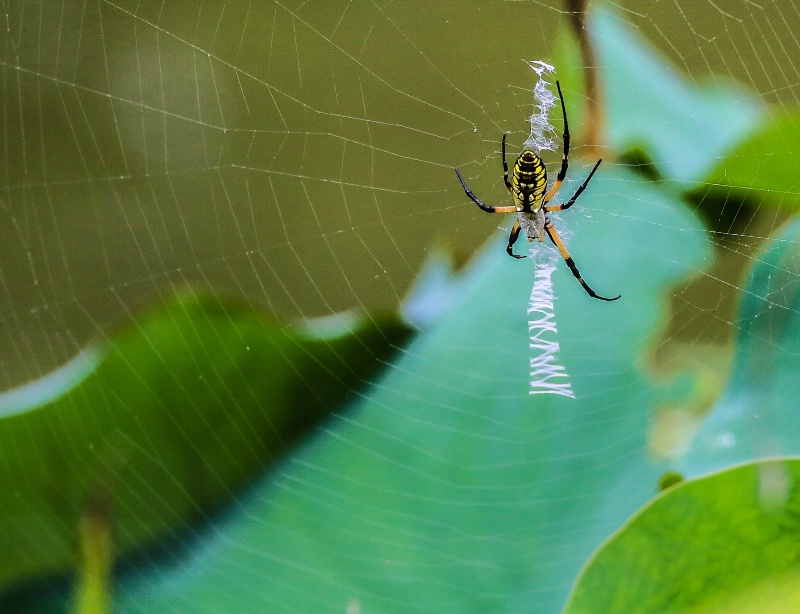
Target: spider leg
(551, 232)
(578, 192)
(512, 238)
(565, 158)
(505, 164)
(479, 202)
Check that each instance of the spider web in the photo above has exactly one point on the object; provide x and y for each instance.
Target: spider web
(299, 156)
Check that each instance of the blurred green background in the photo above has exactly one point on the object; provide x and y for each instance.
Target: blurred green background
(214, 215)
(297, 155)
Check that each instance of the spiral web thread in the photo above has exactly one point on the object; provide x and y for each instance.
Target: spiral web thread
(547, 376)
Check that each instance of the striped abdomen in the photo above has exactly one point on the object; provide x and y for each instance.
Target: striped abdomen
(529, 181)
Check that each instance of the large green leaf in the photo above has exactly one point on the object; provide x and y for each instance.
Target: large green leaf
(652, 110)
(729, 542)
(766, 166)
(730, 538)
(757, 416)
(167, 420)
(451, 488)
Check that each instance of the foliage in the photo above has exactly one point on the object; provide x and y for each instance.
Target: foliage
(176, 416)
(723, 543)
(444, 486)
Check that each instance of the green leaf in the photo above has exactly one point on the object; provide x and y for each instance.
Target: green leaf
(681, 127)
(729, 542)
(766, 166)
(451, 488)
(756, 416)
(167, 420)
(726, 542)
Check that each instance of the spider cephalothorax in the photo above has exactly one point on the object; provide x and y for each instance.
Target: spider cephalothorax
(528, 185)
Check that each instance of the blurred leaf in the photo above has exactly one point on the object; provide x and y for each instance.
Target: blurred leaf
(451, 488)
(653, 108)
(765, 167)
(757, 415)
(178, 414)
(729, 542)
(433, 293)
(693, 375)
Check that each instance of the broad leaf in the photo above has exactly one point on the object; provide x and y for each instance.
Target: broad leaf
(765, 167)
(451, 488)
(757, 416)
(729, 542)
(166, 421)
(681, 127)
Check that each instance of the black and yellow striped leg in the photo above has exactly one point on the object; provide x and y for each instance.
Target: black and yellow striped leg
(505, 164)
(565, 157)
(512, 238)
(480, 203)
(551, 232)
(578, 192)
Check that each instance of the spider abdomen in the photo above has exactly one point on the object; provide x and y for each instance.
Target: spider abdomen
(532, 224)
(529, 181)
(528, 184)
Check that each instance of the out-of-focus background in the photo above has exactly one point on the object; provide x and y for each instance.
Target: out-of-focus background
(221, 222)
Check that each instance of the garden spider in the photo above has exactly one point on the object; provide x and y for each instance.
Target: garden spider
(528, 185)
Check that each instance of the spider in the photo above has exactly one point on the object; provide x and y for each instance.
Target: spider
(528, 185)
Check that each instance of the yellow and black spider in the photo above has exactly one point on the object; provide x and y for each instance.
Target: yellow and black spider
(528, 185)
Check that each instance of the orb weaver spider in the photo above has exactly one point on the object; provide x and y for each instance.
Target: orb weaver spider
(528, 185)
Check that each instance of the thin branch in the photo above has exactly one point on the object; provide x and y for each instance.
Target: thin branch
(594, 124)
